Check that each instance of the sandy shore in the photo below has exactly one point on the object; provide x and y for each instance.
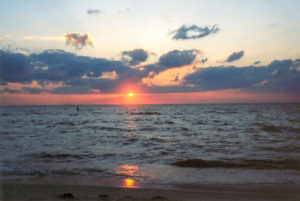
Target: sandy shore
(11, 191)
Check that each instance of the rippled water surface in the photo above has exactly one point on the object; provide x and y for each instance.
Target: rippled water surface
(226, 143)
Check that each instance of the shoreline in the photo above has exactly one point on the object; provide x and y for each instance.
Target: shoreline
(40, 190)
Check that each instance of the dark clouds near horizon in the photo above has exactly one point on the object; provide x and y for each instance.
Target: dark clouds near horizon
(193, 32)
(81, 74)
(279, 76)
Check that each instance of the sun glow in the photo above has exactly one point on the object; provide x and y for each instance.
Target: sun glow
(130, 94)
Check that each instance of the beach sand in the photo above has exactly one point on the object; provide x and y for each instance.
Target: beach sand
(14, 191)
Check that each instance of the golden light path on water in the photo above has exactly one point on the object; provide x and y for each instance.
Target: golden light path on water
(128, 170)
(129, 183)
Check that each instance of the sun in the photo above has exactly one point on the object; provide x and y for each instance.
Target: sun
(130, 94)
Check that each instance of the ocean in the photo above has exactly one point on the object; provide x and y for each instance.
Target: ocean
(154, 144)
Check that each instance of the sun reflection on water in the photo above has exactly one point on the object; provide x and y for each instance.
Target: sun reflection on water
(129, 183)
(129, 170)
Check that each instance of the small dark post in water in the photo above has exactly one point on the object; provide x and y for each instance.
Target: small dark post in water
(77, 108)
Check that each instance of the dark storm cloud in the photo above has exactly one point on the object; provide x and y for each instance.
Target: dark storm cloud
(235, 56)
(135, 56)
(78, 40)
(93, 11)
(193, 32)
(279, 76)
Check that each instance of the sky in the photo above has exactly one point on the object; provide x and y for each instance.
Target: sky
(164, 52)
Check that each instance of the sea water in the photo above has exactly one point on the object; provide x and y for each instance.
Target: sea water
(158, 144)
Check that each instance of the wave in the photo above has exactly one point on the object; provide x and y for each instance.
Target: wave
(66, 123)
(200, 122)
(107, 128)
(276, 129)
(155, 139)
(272, 128)
(148, 128)
(286, 148)
(44, 155)
(35, 113)
(5, 133)
(144, 113)
(294, 130)
(251, 164)
(58, 172)
(184, 129)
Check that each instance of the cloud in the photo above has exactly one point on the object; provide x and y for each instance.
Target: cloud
(235, 56)
(257, 62)
(135, 56)
(44, 38)
(204, 60)
(60, 66)
(51, 38)
(78, 40)
(176, 79)
(28, 37)
(279, 76)
(178, 58)
(93, 11)
(14, 67)
(125, 10)
(69, 73)
(171, 59)
(193, 32)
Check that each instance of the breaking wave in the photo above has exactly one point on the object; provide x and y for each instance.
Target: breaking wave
(253, 164)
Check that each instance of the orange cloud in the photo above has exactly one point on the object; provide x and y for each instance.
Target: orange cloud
(169, 77)
(44, 38)
(33, 84)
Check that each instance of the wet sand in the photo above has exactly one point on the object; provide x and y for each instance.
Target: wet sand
(13, 191)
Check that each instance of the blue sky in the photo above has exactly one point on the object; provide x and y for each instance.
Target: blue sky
(265, 29)
(255, 31)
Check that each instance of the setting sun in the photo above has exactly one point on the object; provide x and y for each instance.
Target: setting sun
(130, 94)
